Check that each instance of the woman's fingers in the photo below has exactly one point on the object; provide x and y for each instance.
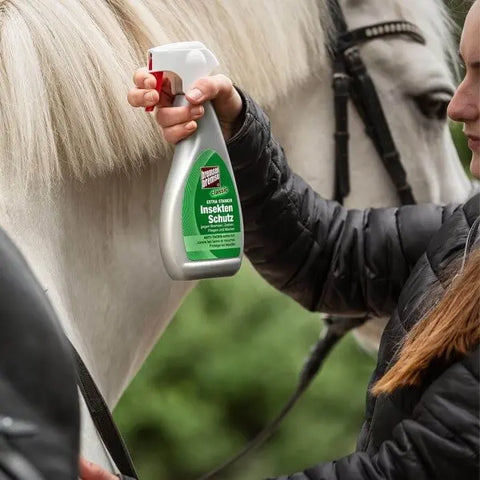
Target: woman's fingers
(167, 117)
(90, 471)
(180, 122)
(180, 131)
(145, 93)
(225, 99)
(208, 88)
(139, 97)
(143, 79)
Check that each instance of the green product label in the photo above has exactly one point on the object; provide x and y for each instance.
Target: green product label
(210, 212)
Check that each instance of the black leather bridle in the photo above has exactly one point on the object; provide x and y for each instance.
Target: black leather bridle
(350, 80)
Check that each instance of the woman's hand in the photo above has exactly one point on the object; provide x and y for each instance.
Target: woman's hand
(90, 471)
(180, 122)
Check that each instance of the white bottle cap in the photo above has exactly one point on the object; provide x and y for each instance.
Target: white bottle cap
(188, 60)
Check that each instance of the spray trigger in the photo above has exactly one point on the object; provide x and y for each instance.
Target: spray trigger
(159, 82)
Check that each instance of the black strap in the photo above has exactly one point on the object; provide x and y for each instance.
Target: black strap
(341, 87)
(365, 98)
(336, 14)
(103, 420)
(347, 62)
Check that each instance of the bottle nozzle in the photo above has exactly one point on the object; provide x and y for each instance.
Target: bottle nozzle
(188, 61)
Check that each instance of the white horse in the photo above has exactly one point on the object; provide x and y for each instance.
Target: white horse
(82, 173)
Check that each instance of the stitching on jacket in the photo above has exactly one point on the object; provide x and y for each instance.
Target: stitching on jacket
(434, 271)
(427, 251)
(241, 134)
(400, 240)
(412, 447)
(334, 258)
(250, 110)
(447, 216)
(462, 207)
(304, 228)
(364, 281)
(467, 363)
(253, 110)
(455, 435)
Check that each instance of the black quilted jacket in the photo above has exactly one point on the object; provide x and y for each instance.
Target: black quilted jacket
(381, 261)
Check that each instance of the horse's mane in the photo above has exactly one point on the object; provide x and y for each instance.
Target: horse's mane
(65, 68)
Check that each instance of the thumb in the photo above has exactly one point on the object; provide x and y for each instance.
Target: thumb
(210, 88)
(220, 90)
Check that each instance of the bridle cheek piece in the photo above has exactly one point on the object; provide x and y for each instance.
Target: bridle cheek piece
(352, 80)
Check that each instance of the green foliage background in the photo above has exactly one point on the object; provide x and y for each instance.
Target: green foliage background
(223, 369)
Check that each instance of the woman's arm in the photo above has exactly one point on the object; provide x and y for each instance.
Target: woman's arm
(326, 257)
(323, 255)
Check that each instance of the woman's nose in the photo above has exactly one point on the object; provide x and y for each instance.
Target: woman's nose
(465, 104)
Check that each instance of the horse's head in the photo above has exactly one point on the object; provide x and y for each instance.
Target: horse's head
(415, 84)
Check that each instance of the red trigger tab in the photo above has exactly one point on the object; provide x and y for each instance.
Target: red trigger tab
(158, 87)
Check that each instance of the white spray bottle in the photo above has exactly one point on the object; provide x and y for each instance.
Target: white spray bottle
(201, 229)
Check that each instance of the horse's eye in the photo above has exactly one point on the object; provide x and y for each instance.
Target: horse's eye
(434, 104)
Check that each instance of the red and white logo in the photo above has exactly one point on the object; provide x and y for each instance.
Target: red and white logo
(210, 177)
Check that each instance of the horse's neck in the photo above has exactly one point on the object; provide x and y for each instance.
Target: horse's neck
(95, 249)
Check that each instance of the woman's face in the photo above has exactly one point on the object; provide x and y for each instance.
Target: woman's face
(465, 104)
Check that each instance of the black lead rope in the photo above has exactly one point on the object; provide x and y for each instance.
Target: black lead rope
(103, 420)
(334, 332)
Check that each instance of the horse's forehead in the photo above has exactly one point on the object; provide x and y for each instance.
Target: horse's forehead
(362, 11)
(428, 15)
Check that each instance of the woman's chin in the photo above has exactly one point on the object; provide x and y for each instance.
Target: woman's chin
(475, 165)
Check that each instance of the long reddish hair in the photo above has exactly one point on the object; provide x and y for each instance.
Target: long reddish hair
(450, 329)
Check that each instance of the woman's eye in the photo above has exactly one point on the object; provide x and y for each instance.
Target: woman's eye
(433, 104)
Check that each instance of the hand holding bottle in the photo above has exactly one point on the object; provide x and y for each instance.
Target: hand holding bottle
(180, 122)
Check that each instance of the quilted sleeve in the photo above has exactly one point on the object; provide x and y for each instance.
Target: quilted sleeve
(326, 257)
